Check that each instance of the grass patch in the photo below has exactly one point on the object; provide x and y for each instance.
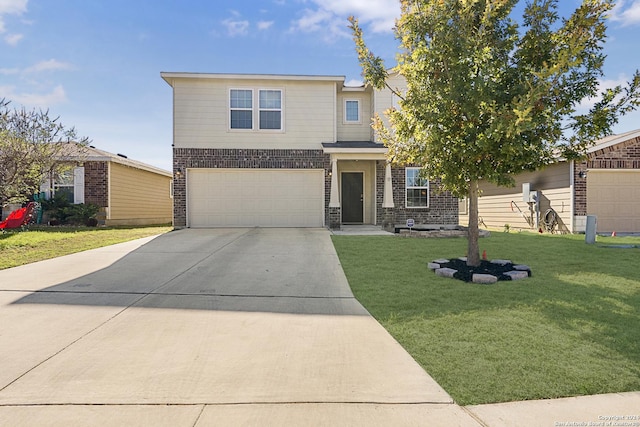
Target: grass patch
(40, 243)
(571, 329)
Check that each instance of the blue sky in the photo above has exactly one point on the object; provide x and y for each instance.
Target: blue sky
(97, 63)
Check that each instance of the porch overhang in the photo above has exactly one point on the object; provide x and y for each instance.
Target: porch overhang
(356, 150)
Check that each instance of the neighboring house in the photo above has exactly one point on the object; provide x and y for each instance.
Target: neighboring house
(127, 191)
(289, 151)
(606, 184)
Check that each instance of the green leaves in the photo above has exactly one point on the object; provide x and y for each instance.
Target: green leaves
(488, 97)
(29, 142)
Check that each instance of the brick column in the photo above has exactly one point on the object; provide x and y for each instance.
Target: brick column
(334, 218)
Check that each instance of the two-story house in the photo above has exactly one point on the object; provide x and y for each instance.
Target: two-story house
(289, 151)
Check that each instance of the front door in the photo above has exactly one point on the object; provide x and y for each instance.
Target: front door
(352, 197)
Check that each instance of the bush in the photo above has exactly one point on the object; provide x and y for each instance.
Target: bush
(83, 214)
(62, 212)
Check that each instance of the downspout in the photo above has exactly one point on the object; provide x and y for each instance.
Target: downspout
(572, 197)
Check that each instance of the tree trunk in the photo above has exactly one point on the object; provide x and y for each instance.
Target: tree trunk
(473, 249)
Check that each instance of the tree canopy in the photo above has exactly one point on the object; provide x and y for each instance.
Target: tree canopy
(31, 143)
(489, 96)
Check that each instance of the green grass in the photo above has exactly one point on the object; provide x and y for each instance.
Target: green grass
(571, 329)
(40, 243)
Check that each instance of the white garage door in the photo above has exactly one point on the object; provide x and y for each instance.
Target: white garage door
(255, 197)
(614, 197)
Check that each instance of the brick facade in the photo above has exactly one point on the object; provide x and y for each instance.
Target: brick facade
(442, 210)
(184, 158)
(96, 185)
(579, 188)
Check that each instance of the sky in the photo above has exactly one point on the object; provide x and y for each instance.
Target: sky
(96, 64)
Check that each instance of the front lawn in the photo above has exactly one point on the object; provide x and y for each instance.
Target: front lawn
(40, 243)
(571, 329)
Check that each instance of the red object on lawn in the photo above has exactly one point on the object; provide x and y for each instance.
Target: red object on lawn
(18, 218)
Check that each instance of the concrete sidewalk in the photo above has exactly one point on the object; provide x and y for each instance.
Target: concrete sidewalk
(221, 327)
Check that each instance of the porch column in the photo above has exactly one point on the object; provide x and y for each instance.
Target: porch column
(334, 197)
(387, 197)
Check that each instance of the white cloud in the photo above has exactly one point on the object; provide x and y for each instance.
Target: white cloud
(331, 16)
(13, 39)
(354, 83)
(264, 25)
(9, 71)
(603, 85)
(313, 20)
(56, 96)
(11, 7)
(236, 27)
(627, 15)
(15, 7)
(48, 65)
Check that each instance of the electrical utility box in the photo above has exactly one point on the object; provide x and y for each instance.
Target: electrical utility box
(528, 196)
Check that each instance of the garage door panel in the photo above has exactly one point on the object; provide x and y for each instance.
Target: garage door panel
(255, 197)
(614, 197)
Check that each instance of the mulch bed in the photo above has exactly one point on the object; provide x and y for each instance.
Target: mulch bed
(486, 267)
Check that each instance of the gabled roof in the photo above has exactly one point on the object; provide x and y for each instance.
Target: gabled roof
(88, 153)
(612, 140)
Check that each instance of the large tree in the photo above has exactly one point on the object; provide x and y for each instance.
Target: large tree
(31, 144)
(488, 97)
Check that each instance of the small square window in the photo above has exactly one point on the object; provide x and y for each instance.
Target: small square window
(241, 119)
(352, 111)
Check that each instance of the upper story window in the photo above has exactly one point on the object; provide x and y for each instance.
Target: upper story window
(417, 189)
(241, 107)
(268, 112)
(270, 109)
(352, 111)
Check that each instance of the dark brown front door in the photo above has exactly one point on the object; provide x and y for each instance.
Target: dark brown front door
(352, 197)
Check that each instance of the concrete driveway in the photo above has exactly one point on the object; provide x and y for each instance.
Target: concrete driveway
(204, 327)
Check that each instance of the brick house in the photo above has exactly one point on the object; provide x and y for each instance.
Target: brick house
(290, 151)
(605, 184)
(128, 192)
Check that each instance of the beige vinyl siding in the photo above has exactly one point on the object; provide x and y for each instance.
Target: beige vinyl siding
(384, 99)
(201, 114)
(354, 131)
(138, 197)
(498, 206)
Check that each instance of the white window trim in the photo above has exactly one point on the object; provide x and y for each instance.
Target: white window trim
(255, 110)
(281, 109)
(50, 185)
(406, 187)
(253, 119)
(352, 122)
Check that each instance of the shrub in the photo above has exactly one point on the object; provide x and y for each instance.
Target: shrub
(62, 212)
